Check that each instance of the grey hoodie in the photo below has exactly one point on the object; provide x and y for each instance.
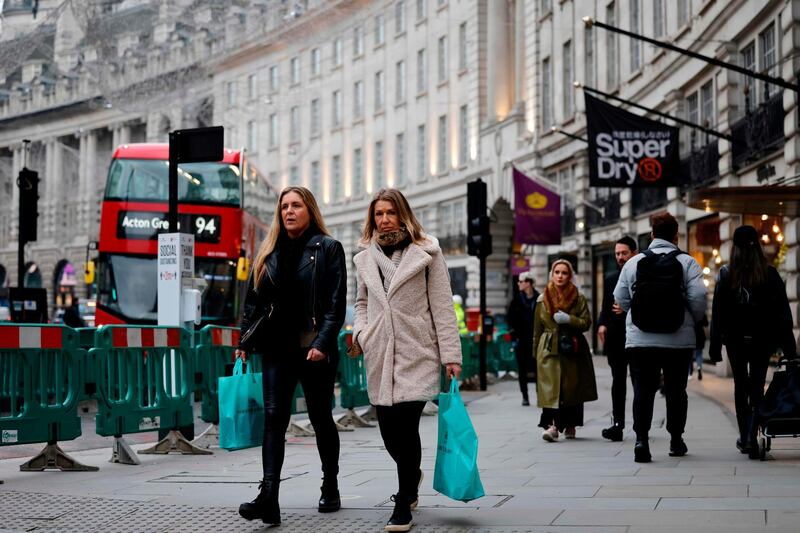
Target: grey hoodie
(695, 298)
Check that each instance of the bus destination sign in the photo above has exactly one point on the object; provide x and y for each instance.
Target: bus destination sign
(146, 225)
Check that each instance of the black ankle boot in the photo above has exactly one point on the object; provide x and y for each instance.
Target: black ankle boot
(329, 501)
(613, 433)
(641, 451)
(401, 516)
(265, 506)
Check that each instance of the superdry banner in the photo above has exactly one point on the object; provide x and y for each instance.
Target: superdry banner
(537, 212)
(626, 150)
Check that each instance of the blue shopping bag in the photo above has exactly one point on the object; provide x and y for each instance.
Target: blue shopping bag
(241, 409)
(456, 474)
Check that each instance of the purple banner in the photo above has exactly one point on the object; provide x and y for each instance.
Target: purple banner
(519, 264)
(537, 212)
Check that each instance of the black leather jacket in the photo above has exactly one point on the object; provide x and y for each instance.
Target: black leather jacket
(322, 284)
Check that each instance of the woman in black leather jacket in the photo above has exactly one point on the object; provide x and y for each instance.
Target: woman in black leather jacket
(293, 312)
(752, 318)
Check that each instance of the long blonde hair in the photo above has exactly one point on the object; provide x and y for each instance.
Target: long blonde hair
(277, 229)
(404, 214)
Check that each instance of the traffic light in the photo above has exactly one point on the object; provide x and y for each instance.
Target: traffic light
(479, 239)
(28, 183)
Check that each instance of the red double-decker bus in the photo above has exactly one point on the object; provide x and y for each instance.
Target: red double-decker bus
(134, 212)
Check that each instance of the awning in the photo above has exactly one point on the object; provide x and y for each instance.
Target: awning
(769, 199)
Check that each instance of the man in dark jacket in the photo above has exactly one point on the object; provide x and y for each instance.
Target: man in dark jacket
(611, 332)
(520, 318)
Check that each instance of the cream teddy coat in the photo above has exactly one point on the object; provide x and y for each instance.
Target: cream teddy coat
(406, 337)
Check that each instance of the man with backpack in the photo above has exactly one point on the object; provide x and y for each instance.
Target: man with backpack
(663, 292)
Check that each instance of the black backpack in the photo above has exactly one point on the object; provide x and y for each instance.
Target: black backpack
(659, 304)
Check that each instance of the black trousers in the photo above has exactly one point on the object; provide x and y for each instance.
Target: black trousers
(749, 364)
(619, 362)
(646, 367)
(280, 377)
(399, 424)
(525, 364)
(562, 418)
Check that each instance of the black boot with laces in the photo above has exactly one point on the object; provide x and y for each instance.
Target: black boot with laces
(401, 517)
(265, 506)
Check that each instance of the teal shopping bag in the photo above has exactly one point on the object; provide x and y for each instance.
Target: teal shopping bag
(241, 409)
(456, 474)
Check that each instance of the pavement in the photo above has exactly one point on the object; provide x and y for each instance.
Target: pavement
(582, 485)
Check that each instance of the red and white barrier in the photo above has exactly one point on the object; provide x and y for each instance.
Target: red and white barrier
(146, 337)
(18, 337)
(224, 337)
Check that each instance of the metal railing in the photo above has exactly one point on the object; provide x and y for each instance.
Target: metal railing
(759, 133)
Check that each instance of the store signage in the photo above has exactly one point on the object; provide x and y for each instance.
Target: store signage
(626, 150)
(537, 212)
(146, 225)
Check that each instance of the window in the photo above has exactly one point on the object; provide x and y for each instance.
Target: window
(422, 68)
(683, 12)
(273, 130)
(336, 116)
(380, 91)
(442, 59)
(273, 179)
(358, 173)
(294, 69)
(273, 78)
(358, 42)
(547, 94)
(462, 46)
(567, 92)
(636, 44)
(693, 116)
(441, 3)
(588, 64)
(547, 6)
(707, 105)
(378, 179)
(316, 62)
(612, 67)
(336, 52)
(400, 82)
(463, 135)
(658, 18)
(294, 124)
(421, 8)
(422, 152)
(252, 87)
(441, 163)
(399, 160)
(315, 116)
(766, 44)
(565, 188)
(380, 30)
(252, 136)
(313, 183)
(400, 16)
(231, 91)
(748, 55)
(336, 177)
(358, 100)
(294, 176)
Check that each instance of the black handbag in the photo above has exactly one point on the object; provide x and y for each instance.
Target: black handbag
(568, 345)
(252, 333)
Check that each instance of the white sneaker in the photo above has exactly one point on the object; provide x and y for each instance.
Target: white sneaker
(550, 434)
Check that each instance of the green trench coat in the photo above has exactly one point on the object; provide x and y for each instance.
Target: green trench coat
(563, 381)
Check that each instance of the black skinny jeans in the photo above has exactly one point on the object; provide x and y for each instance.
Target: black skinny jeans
(399, 424)
(280, 377)
(749, 363)
(646, 367)
(525, 363)
(619, 362)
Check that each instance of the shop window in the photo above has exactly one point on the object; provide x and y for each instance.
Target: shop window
(703, 244)
(771, 231)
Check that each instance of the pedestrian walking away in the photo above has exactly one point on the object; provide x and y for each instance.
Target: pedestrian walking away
(565, 373)
(294, 309)
(405, 325)
(611, 332)
(700, 346)
(520, 318)
(663, 292)
(752, 318)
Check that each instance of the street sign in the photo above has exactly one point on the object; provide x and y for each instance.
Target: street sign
(175, 270)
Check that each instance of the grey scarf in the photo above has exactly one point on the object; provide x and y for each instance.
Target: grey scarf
(387, 266)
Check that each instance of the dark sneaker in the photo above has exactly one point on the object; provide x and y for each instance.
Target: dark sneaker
(700, 374)
(613, 433)
(265, 506)
(743, 447)
(641, 452)
(525, 402)
(401, 519)
(329, 501)
(677, 448)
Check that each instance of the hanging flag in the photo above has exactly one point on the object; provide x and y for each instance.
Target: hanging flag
(537, 212)
(519, 264)
(626, 150)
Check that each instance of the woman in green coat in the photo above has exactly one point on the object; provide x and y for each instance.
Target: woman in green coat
(563, 359)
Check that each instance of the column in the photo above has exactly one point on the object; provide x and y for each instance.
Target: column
(519, 57)
(54, 190)
(90, 199)
(499, 54)
(16, 165)
(79, 203)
